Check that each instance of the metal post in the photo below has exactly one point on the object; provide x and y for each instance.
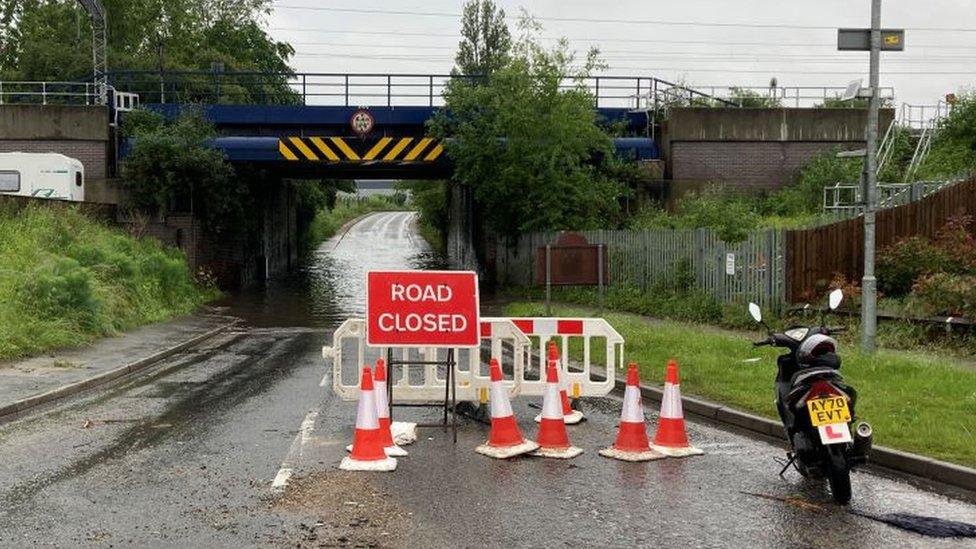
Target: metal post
(430, 89)
(598, 92)
(389, 92)
(548, 280)
(869, 296)
(347, 90)
(43, 93)
(304, 93)
(599, 275)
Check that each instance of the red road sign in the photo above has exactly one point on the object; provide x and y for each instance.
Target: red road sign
(422, 309)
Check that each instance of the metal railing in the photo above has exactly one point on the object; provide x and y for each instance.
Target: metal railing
(785, 96)
(921, 117)
(846, 200)
(373, 89)
(49, 93)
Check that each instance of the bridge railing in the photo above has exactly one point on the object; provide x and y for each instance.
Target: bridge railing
(369, 89)
(787, 96)
(49, 93)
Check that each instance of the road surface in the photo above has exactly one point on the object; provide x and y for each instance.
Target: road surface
(186, 456)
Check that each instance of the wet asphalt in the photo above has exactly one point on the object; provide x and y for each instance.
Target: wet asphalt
(185, 455)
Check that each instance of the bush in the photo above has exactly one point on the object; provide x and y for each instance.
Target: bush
(67, 279)
(945, 294)
(902, 263)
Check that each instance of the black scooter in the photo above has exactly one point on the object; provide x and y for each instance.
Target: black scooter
(816, 405)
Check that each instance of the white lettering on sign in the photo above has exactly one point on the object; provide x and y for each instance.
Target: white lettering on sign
(416, 293)
(412, 322)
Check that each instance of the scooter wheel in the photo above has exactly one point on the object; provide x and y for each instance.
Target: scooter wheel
(838, 475)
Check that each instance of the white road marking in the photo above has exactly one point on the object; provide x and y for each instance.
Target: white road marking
(325, 380)
(295, 451)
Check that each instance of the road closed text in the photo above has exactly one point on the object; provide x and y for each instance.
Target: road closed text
(422, 308)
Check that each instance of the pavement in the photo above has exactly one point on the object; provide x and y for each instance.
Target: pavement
(185, 455)
(21, 380)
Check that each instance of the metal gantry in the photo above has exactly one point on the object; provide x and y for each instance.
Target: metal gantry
(99, 23)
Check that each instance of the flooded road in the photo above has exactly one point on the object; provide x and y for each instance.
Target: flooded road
(186, 455)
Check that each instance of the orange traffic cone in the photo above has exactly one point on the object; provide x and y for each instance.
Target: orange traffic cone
(632, 443)
(553, 440)
(383, 412)
(671, 438)
(367, 444)
(505, 439)
(570, 416)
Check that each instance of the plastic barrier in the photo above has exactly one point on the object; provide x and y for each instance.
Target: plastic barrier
(578, 339)
(501, 339)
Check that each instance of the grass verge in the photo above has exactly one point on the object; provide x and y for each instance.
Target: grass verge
(918, 402)
(66, 279)
(327, 222)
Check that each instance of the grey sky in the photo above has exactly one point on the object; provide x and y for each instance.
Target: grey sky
(935, 61)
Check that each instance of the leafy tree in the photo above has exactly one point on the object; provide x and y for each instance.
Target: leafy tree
(486, 42)
(51, 40)
(953, 152)
(170, 168)
(528, 145)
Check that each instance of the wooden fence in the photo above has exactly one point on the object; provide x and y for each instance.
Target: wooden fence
(815, 256)
(640, 258)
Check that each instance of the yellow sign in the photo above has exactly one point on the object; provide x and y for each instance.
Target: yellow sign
(824, 411)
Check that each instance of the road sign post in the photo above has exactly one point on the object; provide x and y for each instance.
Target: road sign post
(875, 40)
(436, 309)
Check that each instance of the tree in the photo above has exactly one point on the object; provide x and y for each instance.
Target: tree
(170, 168)
(527, 142)
(486, 42)
(51, 39)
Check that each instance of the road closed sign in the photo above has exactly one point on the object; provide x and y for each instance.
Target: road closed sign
(422, 309)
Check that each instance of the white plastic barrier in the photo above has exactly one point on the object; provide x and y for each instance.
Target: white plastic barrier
(427, 383)
(578, 339)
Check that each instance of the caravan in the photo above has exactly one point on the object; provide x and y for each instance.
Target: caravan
(42, 175)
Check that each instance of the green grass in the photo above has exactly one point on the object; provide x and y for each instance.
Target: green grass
(918, 402)
(328, 222)
(66, 279)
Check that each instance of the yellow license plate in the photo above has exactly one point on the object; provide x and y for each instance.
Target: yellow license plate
(824, 411)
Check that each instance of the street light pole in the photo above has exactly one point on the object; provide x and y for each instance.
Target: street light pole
(869, 289)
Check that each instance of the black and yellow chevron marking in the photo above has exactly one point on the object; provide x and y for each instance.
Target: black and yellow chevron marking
(338, 149)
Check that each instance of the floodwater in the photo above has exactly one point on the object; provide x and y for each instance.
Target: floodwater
(331, 286)
(185, 456)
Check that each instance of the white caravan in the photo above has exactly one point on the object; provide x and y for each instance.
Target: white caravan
(42, 175)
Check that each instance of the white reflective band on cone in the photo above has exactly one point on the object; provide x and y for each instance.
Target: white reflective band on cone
(500, 406)
(632, 411)
(382, 404)
(671, 404)
(552, 404)
(366, 417)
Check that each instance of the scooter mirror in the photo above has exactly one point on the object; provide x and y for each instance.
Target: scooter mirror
(756, 312)
(835, 298)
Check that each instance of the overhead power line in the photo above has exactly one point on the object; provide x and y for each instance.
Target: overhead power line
(711, 24)
(831, 45)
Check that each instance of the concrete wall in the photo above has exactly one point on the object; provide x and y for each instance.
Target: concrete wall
(754, 149)
(80, 132)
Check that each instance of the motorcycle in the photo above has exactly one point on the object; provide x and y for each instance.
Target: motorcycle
(816, 405)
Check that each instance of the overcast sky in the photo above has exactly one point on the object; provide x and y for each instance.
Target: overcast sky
(695, 41)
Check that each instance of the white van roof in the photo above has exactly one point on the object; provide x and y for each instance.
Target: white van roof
(48, 156)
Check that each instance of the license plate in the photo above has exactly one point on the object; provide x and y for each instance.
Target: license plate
(825, 411)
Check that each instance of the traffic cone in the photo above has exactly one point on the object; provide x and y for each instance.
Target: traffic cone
(553, 440)
(570, 416)
(367, 444)
(632, 443)
(671, 438)
(505, 440)
(383, 412)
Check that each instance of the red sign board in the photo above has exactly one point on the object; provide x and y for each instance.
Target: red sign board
(422, 309)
